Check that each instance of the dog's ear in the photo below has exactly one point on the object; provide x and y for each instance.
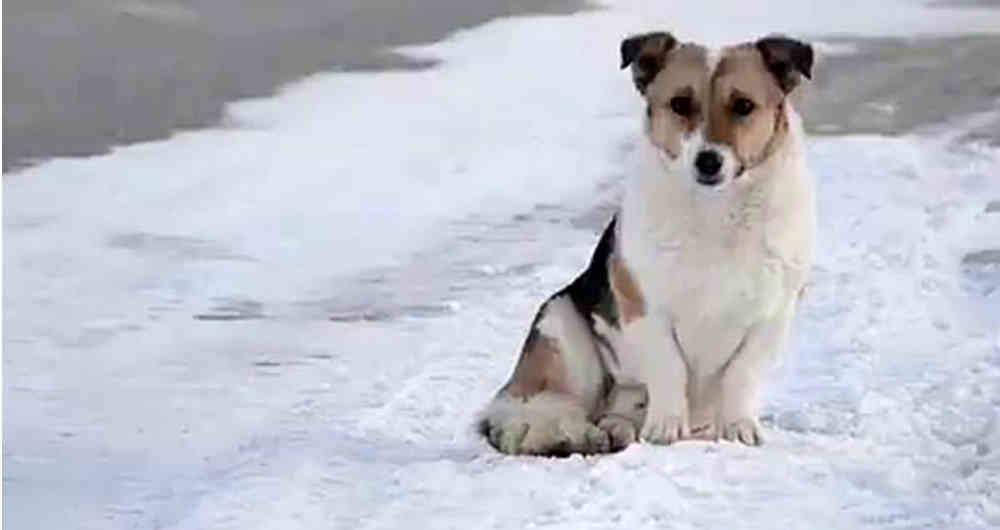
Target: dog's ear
(787, 59)
(646, 54)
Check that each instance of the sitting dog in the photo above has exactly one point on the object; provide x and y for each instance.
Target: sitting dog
(692, 288)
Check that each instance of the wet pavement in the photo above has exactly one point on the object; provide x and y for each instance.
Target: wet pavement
(80, 76)
(896, 86)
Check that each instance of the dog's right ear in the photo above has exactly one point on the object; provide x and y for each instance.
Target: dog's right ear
(646, 54)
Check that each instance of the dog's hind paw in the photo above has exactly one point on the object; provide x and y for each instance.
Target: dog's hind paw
(555, 437)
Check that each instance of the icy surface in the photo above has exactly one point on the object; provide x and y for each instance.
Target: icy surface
(290, 323)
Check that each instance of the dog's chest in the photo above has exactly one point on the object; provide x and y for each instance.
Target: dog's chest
(709, 292)
(694, 282)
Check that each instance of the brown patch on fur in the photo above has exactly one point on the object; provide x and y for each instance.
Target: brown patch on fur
(540, 368)
(742, 73)
(684, 73)
(628, 297)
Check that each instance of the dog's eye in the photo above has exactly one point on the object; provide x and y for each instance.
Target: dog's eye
(682, 105)
(742, 107)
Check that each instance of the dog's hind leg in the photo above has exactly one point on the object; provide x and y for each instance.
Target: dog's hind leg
(546, 407)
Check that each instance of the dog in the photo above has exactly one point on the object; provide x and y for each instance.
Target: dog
(691, 291)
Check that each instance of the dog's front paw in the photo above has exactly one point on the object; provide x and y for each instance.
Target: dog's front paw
(624, 413)
(621, 431)
(665, 428)
(552, 437)
(705, 431)
(744, 430)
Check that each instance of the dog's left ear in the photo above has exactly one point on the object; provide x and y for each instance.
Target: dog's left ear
(787, 59)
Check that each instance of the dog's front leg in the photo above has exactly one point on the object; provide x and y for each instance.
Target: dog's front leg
(652, 357)
(741, 381)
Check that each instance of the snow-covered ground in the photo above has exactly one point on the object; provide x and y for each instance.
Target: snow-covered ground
(291, 322)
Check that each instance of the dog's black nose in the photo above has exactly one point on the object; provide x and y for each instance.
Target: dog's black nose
(708, 163)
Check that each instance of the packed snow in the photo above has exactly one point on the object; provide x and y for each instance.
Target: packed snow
(292, 321)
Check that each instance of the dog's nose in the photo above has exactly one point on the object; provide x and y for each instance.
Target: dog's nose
(708, 163)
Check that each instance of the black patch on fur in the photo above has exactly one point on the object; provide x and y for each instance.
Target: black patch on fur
(591, 290)
(787, 59)
(646, 53)
(632, 46)
(630, 49)
(483, 429)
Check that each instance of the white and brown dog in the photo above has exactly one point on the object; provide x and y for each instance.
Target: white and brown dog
(693, 286)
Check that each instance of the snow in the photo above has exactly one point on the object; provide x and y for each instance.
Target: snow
(171, 362)
(724, 21)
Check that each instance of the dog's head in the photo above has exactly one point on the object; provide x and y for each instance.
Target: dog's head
(715, 115)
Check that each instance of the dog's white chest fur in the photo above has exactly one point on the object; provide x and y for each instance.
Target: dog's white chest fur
(707, 294)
